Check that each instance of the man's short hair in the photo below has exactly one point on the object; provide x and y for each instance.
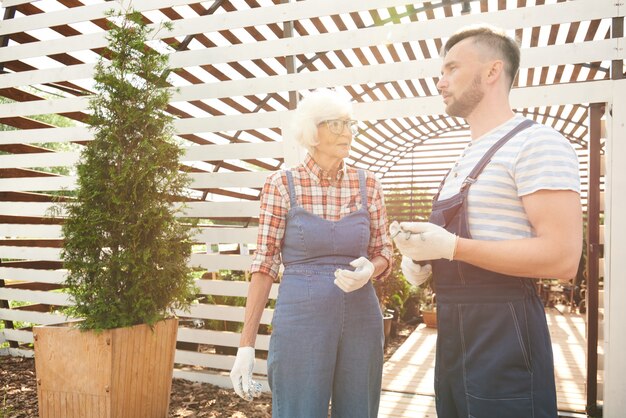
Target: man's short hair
(493, 38)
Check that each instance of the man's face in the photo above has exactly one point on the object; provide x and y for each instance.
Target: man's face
(460, 84)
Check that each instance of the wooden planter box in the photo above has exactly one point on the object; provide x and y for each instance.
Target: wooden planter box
(117, 373)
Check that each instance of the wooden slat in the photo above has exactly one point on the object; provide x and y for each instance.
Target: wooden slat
(221, 312)
(27, 316)
(49, 298)
(31, 253)
(214, 262)
(225, 338)
(431, 29)
(375, 73)
(77, 14)
(229, 288)
(215, 361)
(42, 276)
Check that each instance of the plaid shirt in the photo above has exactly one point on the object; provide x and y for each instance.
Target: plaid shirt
(318, 194)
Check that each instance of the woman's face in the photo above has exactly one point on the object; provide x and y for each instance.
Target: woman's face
(335, 137)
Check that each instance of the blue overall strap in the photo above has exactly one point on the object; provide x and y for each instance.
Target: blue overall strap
(471, 178)
(363, 189)
(292, 189)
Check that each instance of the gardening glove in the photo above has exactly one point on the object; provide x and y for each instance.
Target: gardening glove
(423, 240)
(241, 374)
(415, 273)
(349, 281)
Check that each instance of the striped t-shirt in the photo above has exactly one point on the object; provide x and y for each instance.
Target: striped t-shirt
(538, 158)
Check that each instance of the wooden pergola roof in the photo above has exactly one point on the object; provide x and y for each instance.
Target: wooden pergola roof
(410, 154)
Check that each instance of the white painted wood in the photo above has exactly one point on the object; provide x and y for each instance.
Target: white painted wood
(78, 14)
(31, 253)
(33, 275)
(592, 51)
(614, 250)
(194, 209)
(215, 262)
(229, 123)
(216, 235)
(34, 317)
(225, 338)
(214, 361)
(31, 231)
(515, 18)
(243, 179)
(35, 296)
(39, 184)
(41, 107)
(378, 73)
(587, 92)
(229, 288)
(233, 151)
(222, 312)
(222, 209)
(11, 3)
(534, 57)
(192, 153)
(21, 209)
(48, 75)
(30, 136)
(46, 159)
(16, 352)
(602, 201)
(199, 180)
(18, 335)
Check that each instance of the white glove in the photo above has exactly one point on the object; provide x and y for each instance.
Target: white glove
(349, 281)
(423, 241)
(241, 374)
(414, 273)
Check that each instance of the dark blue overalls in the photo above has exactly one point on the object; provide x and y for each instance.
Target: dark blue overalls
(494, 356)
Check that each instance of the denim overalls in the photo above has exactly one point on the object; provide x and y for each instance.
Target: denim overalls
(494, 356)
(325, 343)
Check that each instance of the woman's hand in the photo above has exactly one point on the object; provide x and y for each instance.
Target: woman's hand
(349, 281)
(241, 374)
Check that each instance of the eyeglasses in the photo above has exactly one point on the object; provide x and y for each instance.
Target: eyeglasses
(336, 126)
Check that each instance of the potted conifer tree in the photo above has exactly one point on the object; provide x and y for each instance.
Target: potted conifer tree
(125, 249)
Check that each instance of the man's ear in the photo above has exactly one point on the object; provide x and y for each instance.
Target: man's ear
(496, 71)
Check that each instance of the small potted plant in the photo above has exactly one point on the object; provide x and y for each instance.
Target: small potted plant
(428, 304)
(125, 248)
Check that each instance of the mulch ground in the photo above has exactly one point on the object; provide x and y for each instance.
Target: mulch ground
(18, 393)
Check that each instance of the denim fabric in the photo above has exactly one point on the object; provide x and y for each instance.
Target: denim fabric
(325, 344)
(494, 355)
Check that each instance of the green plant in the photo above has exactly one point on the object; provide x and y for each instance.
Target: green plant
(427, 296)
(6, 411)
(125, 250)
(393, 290)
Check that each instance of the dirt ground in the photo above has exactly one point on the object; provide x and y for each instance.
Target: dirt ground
(18, 393)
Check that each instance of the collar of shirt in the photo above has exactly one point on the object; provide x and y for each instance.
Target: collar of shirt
(318, 173)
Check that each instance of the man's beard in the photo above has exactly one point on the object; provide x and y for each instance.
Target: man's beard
(465, 105)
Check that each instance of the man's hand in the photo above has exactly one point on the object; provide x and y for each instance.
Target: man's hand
(349, 281)
(423, 240)
(415, 273)
(241, 374)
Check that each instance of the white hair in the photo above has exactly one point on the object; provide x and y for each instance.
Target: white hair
(318, 106)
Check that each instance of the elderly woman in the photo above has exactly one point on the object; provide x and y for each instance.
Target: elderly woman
(327, 223)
